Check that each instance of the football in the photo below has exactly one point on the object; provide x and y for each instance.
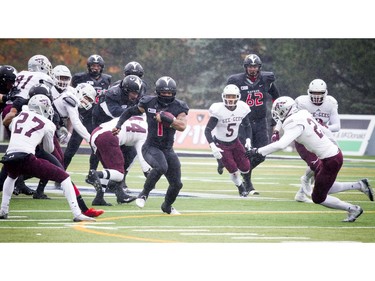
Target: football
(166, 118)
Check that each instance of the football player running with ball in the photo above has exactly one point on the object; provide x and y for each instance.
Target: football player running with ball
(165, 114)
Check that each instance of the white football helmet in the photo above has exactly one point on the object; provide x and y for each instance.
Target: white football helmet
(231, 95)
(317, 91)
(86, 95)
(41, 104)
(40, 63)
(283, 107)
(61, 76)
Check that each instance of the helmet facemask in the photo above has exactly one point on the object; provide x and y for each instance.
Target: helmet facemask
(283, 107)
(231, 95)
(317, 91)
(86, 95)
(61, 76)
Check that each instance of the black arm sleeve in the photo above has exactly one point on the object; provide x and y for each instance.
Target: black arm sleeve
(212, 122)
(274, 92)
(247, 126)
(129, 112)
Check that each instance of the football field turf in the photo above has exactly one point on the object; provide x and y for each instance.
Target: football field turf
(213, 216)
(211, 210)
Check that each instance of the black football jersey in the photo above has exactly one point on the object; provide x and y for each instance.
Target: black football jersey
(256, 94)
(158, 134)
(100, 85)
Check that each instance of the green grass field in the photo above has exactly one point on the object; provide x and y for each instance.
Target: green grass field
(212, 211)
(219, 235)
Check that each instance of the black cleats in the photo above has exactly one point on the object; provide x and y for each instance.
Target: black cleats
(40, 196)
(126, 199)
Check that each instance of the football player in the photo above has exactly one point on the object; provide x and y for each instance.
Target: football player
(158, 149)
(301, 126)
(29, 129)
(257, 87)
(107, 147)
(100, 82)
(222, 135)
(324, 108)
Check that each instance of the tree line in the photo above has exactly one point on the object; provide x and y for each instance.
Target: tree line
(201, 66)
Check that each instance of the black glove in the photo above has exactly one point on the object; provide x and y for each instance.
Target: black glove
(252, 152)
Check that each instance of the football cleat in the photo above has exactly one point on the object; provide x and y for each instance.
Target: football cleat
(94, 179)
(306, 186)
(220, 170)
(253, 192)
(37, 195)
(126, 199)
(3, 215)
(244, 194)
(141, 201)
(169, 210)
(93, 213)
(353, 214)
(302, 197)
(366, 189)
(100, 202)
(82, 217)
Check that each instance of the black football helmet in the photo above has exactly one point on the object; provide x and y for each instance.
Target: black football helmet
(131, 83)
(95, 59)
(165, 84)
(134, 68)
(252, 60)
(40, 89)
(8, 76)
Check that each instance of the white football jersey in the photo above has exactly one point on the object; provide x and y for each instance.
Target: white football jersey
(28, 130)
(229, 121)
(133, 133)
(26, 79)
(66, 105)
(327, 112)
(302, 127)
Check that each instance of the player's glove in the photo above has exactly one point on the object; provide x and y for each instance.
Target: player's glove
(275, 136)
(63, 135)
(167, 118)
(216, 151)
(248, 144)
(252, 152)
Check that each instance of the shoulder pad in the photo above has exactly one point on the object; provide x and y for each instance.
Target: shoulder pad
(184, 106)
(332, 100)
(106, 76)
(268, 75)
(70, 100)
(146, 99)
(235, 78)
(78, 78)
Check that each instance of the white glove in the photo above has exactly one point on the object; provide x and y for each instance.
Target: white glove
(216, 151)
(63, 135)
(248, 144)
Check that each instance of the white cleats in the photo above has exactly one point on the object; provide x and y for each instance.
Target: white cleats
(174, 211)
(82, 217)
(306, 186)
(302, 197)
(141, 201)
(353, 214)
